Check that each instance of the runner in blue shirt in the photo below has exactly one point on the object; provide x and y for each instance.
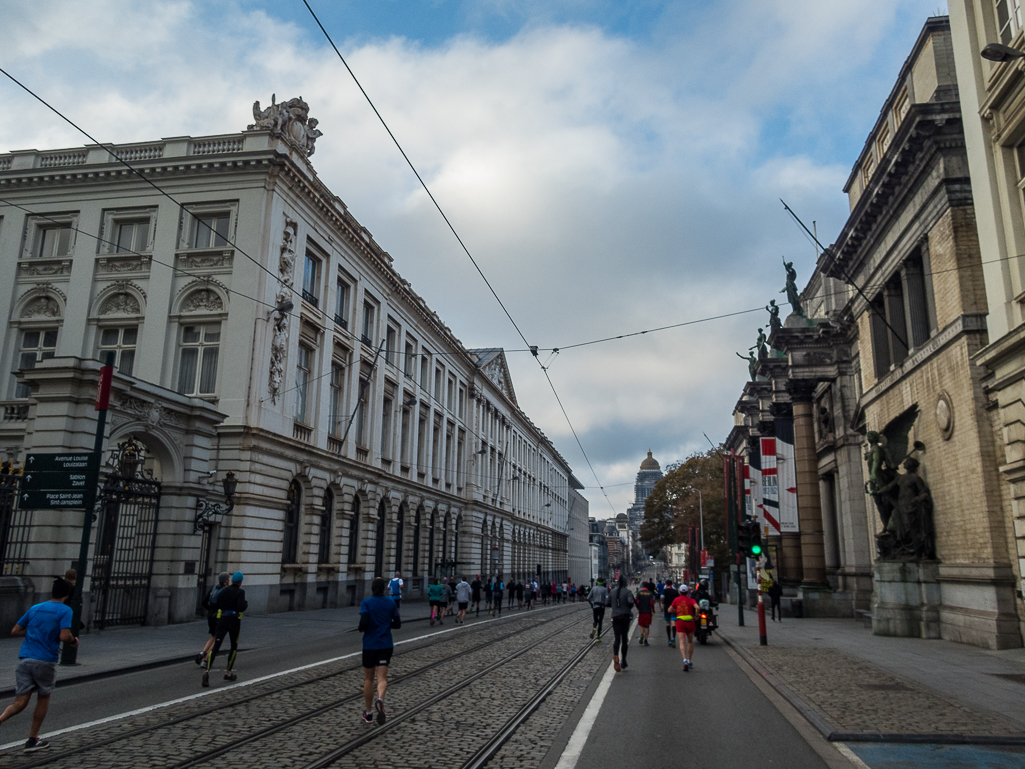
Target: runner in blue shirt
(378, 615)
(43, 626)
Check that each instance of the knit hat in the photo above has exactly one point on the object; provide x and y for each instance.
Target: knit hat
(236, 577)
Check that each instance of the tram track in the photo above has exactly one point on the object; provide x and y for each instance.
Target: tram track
(443, 654)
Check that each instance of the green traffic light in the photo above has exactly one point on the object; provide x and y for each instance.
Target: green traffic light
(756, 549)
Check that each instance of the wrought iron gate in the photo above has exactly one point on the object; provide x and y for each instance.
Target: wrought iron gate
(14, 526)
(128, 508)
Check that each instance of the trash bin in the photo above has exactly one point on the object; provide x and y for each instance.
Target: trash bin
(797, 608)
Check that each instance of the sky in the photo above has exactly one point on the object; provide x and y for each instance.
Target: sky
(612, 166)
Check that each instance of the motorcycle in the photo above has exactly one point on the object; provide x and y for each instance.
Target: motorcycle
(707, 621)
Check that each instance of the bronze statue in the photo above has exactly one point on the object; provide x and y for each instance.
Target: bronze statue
(774, 323)
(791, 289)
(752, 364)
(760, 345)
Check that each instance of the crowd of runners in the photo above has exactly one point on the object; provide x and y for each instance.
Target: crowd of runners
(456, 598)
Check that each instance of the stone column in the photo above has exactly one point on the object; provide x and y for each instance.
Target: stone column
(809, 505)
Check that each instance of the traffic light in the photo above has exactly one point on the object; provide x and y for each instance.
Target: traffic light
(749, 538)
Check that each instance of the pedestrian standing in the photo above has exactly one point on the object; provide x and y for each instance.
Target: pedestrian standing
(43, 627)
(622, 603)
(775, 593)
(231, 603)
(475, 594)
(499, 594)
(685, 608)
(463, 593)
(598, 598)
(436, 598)
(378, 616)
(645, 608)
(210, 604)
(669, 594)
(395, 589)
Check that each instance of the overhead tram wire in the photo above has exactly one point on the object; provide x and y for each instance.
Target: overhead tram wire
(494, 293)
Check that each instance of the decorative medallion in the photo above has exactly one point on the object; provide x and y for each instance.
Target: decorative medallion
(945, 415)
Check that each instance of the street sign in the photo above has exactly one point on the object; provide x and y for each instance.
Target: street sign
(44, 499)
(80, 461)
(63, 481)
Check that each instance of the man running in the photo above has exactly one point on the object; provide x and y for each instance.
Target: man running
(449, 589)
(669, 594)
(463, 593)
(231, 603)
(499, 589)
(378, 616)
(645, 608)
(436, 598)
(43, 626)
(395, 589)
(598, 598)
(210, 604)
(475, 594)
(685, 608)
(487, 595)
(622, 603)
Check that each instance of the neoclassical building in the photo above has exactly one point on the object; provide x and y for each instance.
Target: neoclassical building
(257, 329)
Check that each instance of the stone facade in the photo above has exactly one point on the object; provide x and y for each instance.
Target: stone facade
(259, 329)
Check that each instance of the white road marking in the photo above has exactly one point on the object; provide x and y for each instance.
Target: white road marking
(261, 679)
(850, 755)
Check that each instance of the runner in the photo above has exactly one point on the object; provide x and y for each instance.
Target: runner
(488, 595)
(463, 593)
(645, 608)
(43, 626)
(210, 604)
(598, 598)
(230, 604)
(436, 598)
(685, 609)
(499, 590)
(519, 595)
(395, 590)
(449, 589)
(378, 616)
(622, 603)
(669, 594)
(572, 593)
(475, 594)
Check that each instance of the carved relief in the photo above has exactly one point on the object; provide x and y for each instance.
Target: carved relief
(290, 120)
(117, 265)
(42, 307)
(202, 300)
(150, 413)
(204, 261)
(121, 303)
(45, 269)
(279, 342)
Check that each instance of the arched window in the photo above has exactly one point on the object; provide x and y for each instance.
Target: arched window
(382, 522)
(326, 522)
(400, 531)
(290, 538)
(416, 542)
(354, 532)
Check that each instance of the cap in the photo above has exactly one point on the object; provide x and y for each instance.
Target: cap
(684, 588)
(236, 577)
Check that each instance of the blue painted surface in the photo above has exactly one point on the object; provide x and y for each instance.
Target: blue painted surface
(939, 756)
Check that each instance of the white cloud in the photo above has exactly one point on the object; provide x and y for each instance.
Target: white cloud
(605, 185)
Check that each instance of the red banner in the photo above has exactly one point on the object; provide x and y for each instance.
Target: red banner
(103, 388)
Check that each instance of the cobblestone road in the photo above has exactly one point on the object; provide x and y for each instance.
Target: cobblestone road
(857, 697)
(181, 735)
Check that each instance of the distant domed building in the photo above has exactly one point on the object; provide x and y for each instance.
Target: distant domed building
(649, 475)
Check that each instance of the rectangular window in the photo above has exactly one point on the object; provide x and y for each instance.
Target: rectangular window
(438, 376)
(409, 364)
(900, 108)
(53, 241)
(342, 304)
(386, 429)
(404, 446)
(361, 411)
(311, 279)
(462, 403)
(197, 362)
(302, 384)
(208, 230)
(448, 455)
(132, 236)
(336, 416)
(36, 345)
(421, 442)
(391, 345)
(1008, 19)
(425, 372)
(450, 396)
(883, 142)
(368, 323)
(868, 168)
(436, 450)
(122, 342)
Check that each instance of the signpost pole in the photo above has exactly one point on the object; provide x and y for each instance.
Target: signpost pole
(69, 655)
(763, 638)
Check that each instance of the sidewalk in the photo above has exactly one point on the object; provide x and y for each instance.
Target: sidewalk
(129, 649)
(855, 686)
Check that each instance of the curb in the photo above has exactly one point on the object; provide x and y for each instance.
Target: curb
(827, 730)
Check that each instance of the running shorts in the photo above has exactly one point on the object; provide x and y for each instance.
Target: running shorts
(439, 604)
(668, 617)
(39, 675)
(687, 628)
(211, 624)
(644, 620)
(463, 606)
(375, 657)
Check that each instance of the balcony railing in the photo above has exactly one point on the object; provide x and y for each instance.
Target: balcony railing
(311, 298)
(302, 432)
(334, 445)
(362, 455)
(366, 339)
(340, 321)
(15, 412)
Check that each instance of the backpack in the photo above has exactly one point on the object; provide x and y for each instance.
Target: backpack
(394, 587)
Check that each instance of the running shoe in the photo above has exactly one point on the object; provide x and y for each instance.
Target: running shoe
(616, 665)
(624, 664)
(670, 641)
(35, 743)
(206, 678)
(199, 659)
(597, 640)
(646, 642)
(368, 718)
(230, 676)
(432, 621)
(593, 631)
(686, 666)
(379, 707)
(640, 642)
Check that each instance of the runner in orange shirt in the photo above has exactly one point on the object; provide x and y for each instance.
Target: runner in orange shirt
(686, 609)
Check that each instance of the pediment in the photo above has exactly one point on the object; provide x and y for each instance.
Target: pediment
(493, 365)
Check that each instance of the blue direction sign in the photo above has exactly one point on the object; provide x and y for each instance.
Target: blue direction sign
(74, 461)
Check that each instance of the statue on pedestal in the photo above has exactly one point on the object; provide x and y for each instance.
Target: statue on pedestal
(774, 322)
(793, 297)
(752, 364)
(760, 345)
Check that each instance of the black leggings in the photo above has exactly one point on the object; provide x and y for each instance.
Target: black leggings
(498, 603)
(599, 616)
(226, 626)
(621, 628)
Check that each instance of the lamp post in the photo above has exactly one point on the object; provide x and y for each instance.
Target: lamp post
(206, 510)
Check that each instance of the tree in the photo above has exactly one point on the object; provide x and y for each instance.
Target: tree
(672, 507)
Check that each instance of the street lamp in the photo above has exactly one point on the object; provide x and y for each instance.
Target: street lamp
(1000, 53)
(206, 510)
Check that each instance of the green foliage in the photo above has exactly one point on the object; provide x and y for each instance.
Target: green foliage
(672, 507)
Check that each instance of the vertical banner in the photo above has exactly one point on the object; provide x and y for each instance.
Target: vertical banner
(754, 460)
(770, 487)
(787, 472)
